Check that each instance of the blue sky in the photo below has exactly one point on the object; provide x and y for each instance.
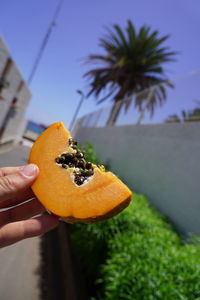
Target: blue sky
(80, 24)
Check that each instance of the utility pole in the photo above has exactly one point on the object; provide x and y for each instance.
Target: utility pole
(44, 42)
(77, 109)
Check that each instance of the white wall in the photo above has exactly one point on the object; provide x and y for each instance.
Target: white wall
(160, 161)
(14, 77)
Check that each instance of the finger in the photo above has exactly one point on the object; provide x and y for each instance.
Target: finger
(19, 198)
(14, 232)
(9, 170)
(21, 212)
(13, 184)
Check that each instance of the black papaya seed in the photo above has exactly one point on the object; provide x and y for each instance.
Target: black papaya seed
(71, 165)
(81, 163)
(89, 172)
(79, 155)
(57, 160)
(64, 166)
(88, 165)
(62, 159)
(79, 179)
(75, 161)
(68, 157)
(70, 141)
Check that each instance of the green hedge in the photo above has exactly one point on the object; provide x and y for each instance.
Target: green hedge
(137, 256)
(150, 261)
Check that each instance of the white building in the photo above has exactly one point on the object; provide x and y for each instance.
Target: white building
(14, 98)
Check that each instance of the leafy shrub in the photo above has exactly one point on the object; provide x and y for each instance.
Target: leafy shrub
(150, 261)
(137, 255)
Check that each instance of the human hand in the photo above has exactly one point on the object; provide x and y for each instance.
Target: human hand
(16, 223)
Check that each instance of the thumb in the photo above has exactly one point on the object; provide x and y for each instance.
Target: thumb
(14, 183)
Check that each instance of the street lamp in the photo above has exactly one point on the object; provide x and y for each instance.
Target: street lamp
(77, 109)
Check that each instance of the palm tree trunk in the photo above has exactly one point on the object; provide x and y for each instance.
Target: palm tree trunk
(141, 116)
(115, 110)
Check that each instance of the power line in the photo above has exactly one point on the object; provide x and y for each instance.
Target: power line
(44, 42)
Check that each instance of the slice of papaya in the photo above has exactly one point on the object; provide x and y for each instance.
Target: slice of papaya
(70, 187)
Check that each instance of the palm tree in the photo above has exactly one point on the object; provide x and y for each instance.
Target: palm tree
(173, 119)
(133, 61)
(186, 116)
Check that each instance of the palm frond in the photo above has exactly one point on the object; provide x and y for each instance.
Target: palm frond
(131, 34)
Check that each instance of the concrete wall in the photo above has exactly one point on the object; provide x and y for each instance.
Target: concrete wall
(160, 161)
(4, 54)
(14, 117)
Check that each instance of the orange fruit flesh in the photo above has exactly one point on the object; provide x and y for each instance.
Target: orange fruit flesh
(102, 197)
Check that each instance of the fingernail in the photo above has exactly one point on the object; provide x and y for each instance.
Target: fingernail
(29, 170)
